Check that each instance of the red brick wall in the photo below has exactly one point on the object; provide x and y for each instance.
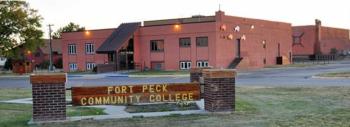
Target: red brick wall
(330, 38)
(97, 37)
(252, 49)
(306, 47)
(172, 52)
(220, 52)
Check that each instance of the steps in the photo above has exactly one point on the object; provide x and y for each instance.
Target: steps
(235, 62)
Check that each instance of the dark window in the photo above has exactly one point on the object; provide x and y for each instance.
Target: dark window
(157, 45)
(185, 65)
(296, 40)
(185, 42)
(89, 48)
(90, 66)
(202, 41)
(72, 49)
(202, 63)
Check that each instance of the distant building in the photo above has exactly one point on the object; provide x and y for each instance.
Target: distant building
(316, 39)
(42, 54)
(220, 41)
(39, 59)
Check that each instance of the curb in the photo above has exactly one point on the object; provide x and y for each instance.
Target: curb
(117, 76)
(15, 76)
(321, 77)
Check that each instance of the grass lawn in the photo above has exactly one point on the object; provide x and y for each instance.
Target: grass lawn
(159, 73)
(293, 65)
(161, 107)
(336, 74)
(255, 106)
(17, 115)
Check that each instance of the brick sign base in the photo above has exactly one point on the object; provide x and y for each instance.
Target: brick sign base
(49, 97)
(219, 90)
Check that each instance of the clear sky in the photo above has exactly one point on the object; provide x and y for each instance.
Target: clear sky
(100, 14)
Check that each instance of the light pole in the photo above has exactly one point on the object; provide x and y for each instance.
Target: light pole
(50, 65)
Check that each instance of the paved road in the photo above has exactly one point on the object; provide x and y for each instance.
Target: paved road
(264, 77)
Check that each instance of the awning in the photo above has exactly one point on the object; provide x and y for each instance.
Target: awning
(118, 37)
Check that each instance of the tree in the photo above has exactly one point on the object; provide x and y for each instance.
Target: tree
(70, 27)
(19, 25)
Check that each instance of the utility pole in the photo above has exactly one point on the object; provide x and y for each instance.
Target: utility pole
(50, 41)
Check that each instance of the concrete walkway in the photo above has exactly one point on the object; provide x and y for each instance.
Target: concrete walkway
(118, 111)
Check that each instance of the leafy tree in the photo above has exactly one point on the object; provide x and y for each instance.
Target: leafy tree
(59, 63)
(19, 25)
(71, 27)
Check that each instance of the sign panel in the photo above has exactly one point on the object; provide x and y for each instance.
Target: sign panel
(133, 94)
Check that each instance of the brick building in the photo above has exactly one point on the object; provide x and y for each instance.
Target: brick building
(42, 54)
(220, 41)
(320, 40)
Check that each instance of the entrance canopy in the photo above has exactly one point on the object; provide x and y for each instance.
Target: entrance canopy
(118, 37)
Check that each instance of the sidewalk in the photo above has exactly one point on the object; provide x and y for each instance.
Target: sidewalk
(114, 111)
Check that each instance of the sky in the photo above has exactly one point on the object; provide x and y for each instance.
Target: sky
(101, 14)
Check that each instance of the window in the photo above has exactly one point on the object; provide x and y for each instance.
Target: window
(202, 63)
(296, 40)
(89, 48)
(185, 42)
(72, 49)
(157, 45)
(90, 66)
(184, 65)
(202, 41)
(73, 67)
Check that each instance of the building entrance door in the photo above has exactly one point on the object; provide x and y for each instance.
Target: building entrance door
(238, 48)
(126, 57)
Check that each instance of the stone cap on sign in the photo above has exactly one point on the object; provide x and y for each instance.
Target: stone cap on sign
(48, 78)
(219, 73)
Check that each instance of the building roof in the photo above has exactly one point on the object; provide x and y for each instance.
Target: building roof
(118, 37)
(193, 19)
(56, 46)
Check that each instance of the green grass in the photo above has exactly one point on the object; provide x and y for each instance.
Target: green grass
(81, 72)
(255, 106)
(17, 115)
(293, 65)
(84, 111)
(336, 74)
(8, 94)
(160, 107)
(7, 73)
(160, 73)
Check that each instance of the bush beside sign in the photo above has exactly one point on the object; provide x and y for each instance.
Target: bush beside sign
(134, 94)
